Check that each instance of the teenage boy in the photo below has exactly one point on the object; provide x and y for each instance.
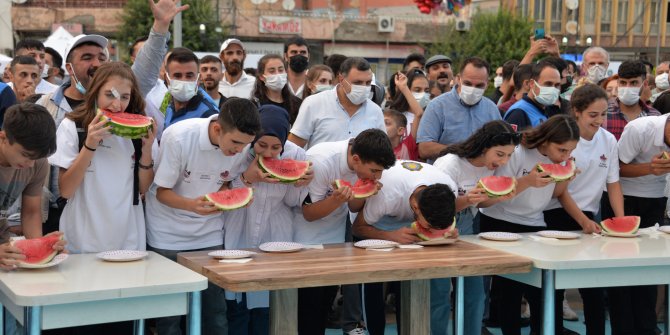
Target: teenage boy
(418, 192)
(198, 156)
(643, 171)
(325, 209)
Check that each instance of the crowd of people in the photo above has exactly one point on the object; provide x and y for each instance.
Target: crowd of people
(426, 138)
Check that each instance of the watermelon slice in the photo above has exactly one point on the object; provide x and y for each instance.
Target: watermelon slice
(286, 170)
(231, 199)
(559, 172)
(621, 225)
(362, 189)
(432, 234)
(38, 250)
(496, 186)
(127, 125)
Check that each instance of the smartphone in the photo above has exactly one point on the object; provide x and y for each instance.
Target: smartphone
(539, 34)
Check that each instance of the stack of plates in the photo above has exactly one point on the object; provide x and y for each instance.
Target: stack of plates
(231, 254)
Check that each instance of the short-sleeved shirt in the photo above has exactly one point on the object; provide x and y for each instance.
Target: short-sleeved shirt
(323, 119)
(407, 149)
(242, 88)
(641, 140)
(616, 120)
(15, 183)
(465, 175)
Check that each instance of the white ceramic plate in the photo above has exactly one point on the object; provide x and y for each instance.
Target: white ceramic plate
(122, 255)
(500, 236)
(665, 229)
(231, 254)
(281, 246)
(375, 244)
(439, 241)
(566, 235)
(621, 235)
(55, 261)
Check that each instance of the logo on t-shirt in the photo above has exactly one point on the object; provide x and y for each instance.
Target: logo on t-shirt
(224, 175)
(525, 172)
(187, 175)
(412, 166)
(461, 191)
(603, 161)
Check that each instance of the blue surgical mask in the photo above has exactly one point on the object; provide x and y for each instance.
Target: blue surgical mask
(77, 83)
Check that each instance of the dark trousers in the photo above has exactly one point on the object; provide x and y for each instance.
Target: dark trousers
(313, 307)
(593, 298)
(375, 305)
(633, 308)
(244, 321)
(510, 292)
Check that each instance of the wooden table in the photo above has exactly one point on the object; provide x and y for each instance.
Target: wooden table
(337, 264)
(85, 290)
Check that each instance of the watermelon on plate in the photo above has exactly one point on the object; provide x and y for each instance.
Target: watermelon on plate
(432, 234)
(38, 250)
(286, 170)
(496, 186)
(621, 225)
(559, 172)
(363, 188)
(231, 199)
(127, 125)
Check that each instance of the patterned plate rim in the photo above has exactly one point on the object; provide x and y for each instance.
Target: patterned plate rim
(563, 235)
(491, 236)
(108, 255)
(55, 261)
(271, 246)
(242, 254)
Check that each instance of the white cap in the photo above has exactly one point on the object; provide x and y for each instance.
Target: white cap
(230, 41)
(80, 39)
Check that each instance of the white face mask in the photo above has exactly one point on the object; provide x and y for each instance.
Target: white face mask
(471, 95)
(45, 71)
(422, 98)
(596, 73)
(547, 96)
(276, 82)
(182, 90)
(662, 82)
(359, 93)
(497, 81)
(321, 88)
(628, 95)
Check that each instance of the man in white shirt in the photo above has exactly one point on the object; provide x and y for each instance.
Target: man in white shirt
(235, 82)
(296, 55)
(35, 49)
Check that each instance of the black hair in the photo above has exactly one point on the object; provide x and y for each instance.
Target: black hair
(335, 61)
(399, 102)
(399, 118)
(250, 71)
(476, 62)
(559, 129)
(210, 59)
(32, 127)
(182, 55)
(508, 68)
(573, 65)
(55, 56)
(240, 114)
(28, 44)
(132, 46)
(23, 60)
(260, 92)
(540, 66)
(294, 40)
(414, 57)
(357, 63)
(437, 204)
(631, 69)
(559, 64)
(33, 98)
(649, 64)
(491, 134)
(373, 145)
(583, 96)
(522, 73)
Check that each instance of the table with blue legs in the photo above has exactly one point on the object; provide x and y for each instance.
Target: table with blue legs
(337, 264)
(600, 261)
(85, 290)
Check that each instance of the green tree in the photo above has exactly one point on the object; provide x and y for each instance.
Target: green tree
(136, 20)
(495, 37)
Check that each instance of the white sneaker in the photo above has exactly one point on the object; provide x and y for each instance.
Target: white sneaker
(568, 313)
(357, 331)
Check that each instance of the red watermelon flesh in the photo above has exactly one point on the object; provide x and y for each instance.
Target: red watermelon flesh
(621, 225)
(38, 250)
(231, 199)
(286, 170)
(363, 188)
(128, 125)
(432, 234)
(559, 172)
(496, 186)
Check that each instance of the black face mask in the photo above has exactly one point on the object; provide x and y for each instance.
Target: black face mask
(568, 83)
(298, 63)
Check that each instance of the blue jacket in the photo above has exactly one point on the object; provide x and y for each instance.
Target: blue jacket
(535, 116)
(200, 106)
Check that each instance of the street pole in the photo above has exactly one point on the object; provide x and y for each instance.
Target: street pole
(658, 34)
(177, 28)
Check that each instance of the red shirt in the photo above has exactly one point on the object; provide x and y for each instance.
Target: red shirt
(407, 149)
(616, 120)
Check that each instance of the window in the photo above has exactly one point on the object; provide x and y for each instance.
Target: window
(539, 12)
(522, 7)
(622, 19)
(606, 16)
(638, 19)
(653, 21)
(556, 13)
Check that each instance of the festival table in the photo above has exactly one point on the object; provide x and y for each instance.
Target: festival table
(337, 264)
(588, 261)
(85, 290)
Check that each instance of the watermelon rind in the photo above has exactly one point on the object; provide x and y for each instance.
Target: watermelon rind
(118, 128)
(482, 183)
(665, 155)
(283, 176)
(436, 234)
(608, 225)
(558, 177)
(222, 199)
(29, 246)
(363, 188)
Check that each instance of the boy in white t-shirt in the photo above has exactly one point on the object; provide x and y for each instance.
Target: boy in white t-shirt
(642, 170)
(198, 156)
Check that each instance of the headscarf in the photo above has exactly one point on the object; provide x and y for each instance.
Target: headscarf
(274, 122)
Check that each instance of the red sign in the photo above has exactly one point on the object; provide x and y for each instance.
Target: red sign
(279, 25)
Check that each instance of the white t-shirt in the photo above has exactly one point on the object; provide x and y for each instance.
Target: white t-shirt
(641, 140)
(598, 161)
(410, 119)
(389, 209)
(463, 173)
(100, 216)
(45, 87)
(242, 88)
(298, 92)
(329, 162)
(154, 99)
(323, 119)
(192, 166)
(525, 208)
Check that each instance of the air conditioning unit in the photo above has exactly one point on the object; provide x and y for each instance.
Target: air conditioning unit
(385, 24)
(462, 25)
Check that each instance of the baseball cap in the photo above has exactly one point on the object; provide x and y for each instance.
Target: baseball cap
(437, 59)
(230, 41)
(80, 39)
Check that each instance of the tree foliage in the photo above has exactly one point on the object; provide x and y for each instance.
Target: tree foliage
(495, 37)
(137, 19)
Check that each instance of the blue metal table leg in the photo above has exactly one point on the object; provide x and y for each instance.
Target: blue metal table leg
(138, 327)
(665, 307)
(32, 320)
(194, 313)
(548, 288)
(460, 305)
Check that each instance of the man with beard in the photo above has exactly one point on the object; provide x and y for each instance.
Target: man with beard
(439, 69)
(210, 77)
(235, 82)
(296, 55)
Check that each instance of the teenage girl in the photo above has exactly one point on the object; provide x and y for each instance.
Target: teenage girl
(270, 87)
(411, 97)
